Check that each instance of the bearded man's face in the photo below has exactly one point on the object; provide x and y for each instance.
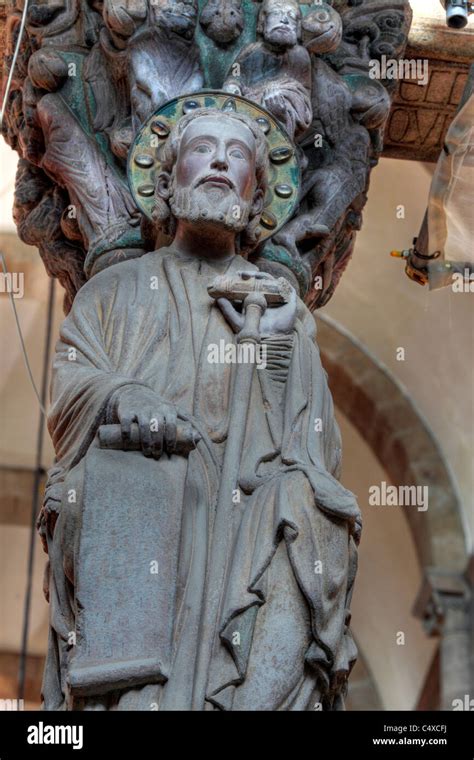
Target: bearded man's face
(214, 180)
(281, 23)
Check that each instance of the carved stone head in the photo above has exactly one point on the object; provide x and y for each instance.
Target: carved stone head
(123, 19)
(222, 20)
(322, 30)
(175, 16)
(214, 174)
(279, 22)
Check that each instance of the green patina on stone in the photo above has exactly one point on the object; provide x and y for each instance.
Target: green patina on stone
(272, 252)
(79, 98)
(216, 60)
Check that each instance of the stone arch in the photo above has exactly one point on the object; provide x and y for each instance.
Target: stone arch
(378, 406)
(385, 416)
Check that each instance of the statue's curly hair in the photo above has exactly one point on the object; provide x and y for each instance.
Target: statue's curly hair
(162, 215)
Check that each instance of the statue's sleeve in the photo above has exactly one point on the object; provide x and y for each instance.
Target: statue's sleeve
(331, 449)
(311, 438)
(109, 340)
(87, 368)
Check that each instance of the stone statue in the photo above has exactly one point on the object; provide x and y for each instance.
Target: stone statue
(322, 29)
(276, 71)
(202, 552)
(102, 68)
(164, 59)
(189, 170)
(222, 20)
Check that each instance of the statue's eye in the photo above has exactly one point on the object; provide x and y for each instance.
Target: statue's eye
(237, 153)
(202, 148)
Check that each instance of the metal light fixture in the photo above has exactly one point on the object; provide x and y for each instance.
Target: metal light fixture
(443, 252)
(457, 12)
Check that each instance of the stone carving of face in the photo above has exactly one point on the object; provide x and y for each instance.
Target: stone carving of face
(123, 18)
(214, 180)
(178, 16)
(322, 30)
(280, 23)
(222, 20)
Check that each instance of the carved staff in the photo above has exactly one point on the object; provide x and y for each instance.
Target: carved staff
(255, 295)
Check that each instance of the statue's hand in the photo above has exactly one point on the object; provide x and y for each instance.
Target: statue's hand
(157, 420)
(275, 103)
(277, 320)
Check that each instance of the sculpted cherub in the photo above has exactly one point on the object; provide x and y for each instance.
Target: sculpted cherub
(276, 71)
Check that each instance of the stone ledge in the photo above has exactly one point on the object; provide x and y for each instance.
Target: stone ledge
(421, 115)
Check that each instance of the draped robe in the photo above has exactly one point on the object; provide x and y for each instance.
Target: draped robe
(129, 538)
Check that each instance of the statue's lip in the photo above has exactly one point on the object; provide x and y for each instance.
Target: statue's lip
(326, 33)
(217, 179)
(282, 27)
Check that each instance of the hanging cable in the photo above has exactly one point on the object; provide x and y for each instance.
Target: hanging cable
(41, 399)
(38, 473)
(2, 258)
(12, 67)
(20, 335)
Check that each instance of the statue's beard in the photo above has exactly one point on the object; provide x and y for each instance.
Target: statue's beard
(284, 38)
(217, 207)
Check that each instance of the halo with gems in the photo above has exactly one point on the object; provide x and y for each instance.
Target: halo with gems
(284, 174)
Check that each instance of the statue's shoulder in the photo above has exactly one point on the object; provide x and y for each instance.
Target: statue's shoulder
(122, 275)
(299, 55)
(307, 320)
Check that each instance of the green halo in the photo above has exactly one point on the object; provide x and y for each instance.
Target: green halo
(284, 174)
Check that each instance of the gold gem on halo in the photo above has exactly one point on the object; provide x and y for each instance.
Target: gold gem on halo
(280, 155)
(146, 190)
(160, 128)
(284, 191)
(268, 220)
(144, 160)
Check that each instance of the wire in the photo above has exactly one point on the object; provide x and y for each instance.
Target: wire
(38, 473)
(20, 335)
(12, 68)
(4, 265)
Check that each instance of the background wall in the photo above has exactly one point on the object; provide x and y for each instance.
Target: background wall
(382, 307)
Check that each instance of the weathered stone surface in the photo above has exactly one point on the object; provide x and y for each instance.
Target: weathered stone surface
(177, 574)
(421, 114)
(308, 65)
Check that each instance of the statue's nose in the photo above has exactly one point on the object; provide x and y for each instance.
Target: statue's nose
(220, 160)
(220, 164)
